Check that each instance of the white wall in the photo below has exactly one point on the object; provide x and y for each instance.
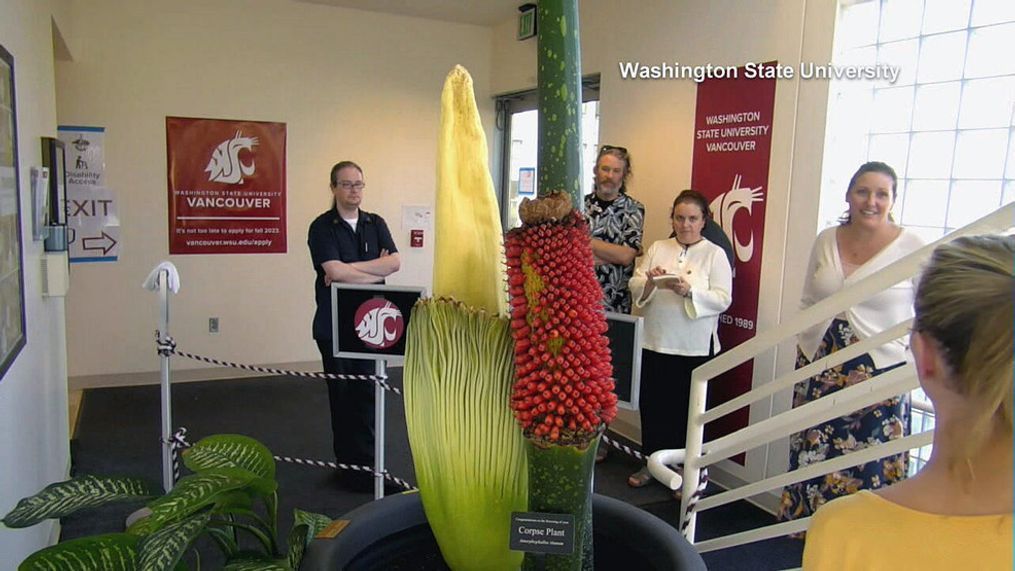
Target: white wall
(349, 84)
(655, 120)
(33, 392)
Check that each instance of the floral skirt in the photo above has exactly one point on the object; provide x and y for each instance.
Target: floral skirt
(881, 422)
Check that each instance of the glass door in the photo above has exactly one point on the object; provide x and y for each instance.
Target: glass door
(518, 117)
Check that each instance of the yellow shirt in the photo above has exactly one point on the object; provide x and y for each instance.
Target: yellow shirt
(866, 531)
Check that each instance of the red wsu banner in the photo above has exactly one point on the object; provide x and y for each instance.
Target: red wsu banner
(732, 144)
(226, 186)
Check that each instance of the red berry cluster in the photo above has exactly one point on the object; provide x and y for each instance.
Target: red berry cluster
(564, 391)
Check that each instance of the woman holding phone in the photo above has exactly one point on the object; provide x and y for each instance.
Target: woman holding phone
(682, 285)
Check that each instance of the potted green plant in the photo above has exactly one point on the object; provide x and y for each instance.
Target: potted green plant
(231, 492)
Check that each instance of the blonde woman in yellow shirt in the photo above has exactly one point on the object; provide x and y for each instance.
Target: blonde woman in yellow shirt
(957, 512)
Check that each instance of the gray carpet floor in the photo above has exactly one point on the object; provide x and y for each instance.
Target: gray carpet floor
(118, 434)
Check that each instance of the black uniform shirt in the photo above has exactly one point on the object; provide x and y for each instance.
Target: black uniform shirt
(331, 238)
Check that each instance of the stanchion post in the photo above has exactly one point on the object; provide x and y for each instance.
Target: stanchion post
(380, 369)
(167, 415)
(693, 449)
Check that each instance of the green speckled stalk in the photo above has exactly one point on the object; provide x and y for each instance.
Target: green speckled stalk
(560, 482)
(559, 80)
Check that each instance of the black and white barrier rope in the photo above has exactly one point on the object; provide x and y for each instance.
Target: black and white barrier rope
(167, 346)
(692, 504)
(624, 448)
(340, 466)
(176, 443)
(179, 442)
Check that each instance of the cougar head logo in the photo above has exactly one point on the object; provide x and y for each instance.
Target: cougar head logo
(379, 323)
(225, 165)
(727, 205)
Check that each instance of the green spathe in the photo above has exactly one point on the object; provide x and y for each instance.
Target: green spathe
(467, 450)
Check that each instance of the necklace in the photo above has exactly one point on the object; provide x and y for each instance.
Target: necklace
(686, 246)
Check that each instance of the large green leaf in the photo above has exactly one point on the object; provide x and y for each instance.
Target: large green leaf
(315, 522)
(306, 526)
(297, 544)
(246, 562)
(263, 486)
(112, 552)
(191, 494)
(230, 451)
(235, 502)
(163, 549)
(63, 498)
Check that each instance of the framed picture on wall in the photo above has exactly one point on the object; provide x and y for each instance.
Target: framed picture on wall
(12, 282)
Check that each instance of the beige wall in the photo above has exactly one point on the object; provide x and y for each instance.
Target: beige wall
(349, 84)
(33, 392)
(366, 86)
(655, 119)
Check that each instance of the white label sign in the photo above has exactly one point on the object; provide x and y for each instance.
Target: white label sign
(93, 226)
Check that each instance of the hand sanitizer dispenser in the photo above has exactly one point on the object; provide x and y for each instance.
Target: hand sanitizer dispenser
(53, 159)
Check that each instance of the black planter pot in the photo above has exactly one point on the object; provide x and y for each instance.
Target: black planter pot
(393, 534)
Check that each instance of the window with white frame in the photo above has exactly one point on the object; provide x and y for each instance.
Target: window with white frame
(946, 124)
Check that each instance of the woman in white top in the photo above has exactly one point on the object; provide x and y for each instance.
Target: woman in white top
(866, 241)
(957, 511)
(681, 285)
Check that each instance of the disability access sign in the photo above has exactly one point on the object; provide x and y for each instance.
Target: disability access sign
(93, 222)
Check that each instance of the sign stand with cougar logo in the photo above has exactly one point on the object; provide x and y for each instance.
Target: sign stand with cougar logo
(379, 323)
(227, 191)
(369, 322)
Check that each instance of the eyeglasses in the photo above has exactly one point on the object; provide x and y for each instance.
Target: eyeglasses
(607, 148)
(347, 185)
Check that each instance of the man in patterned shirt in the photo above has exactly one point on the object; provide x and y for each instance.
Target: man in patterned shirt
(616, 222)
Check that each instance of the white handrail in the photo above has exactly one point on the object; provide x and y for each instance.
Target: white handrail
(827, 308)
(699, 454)
(760, 534)
(795, 376)
(882, 387)
(812, 471)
